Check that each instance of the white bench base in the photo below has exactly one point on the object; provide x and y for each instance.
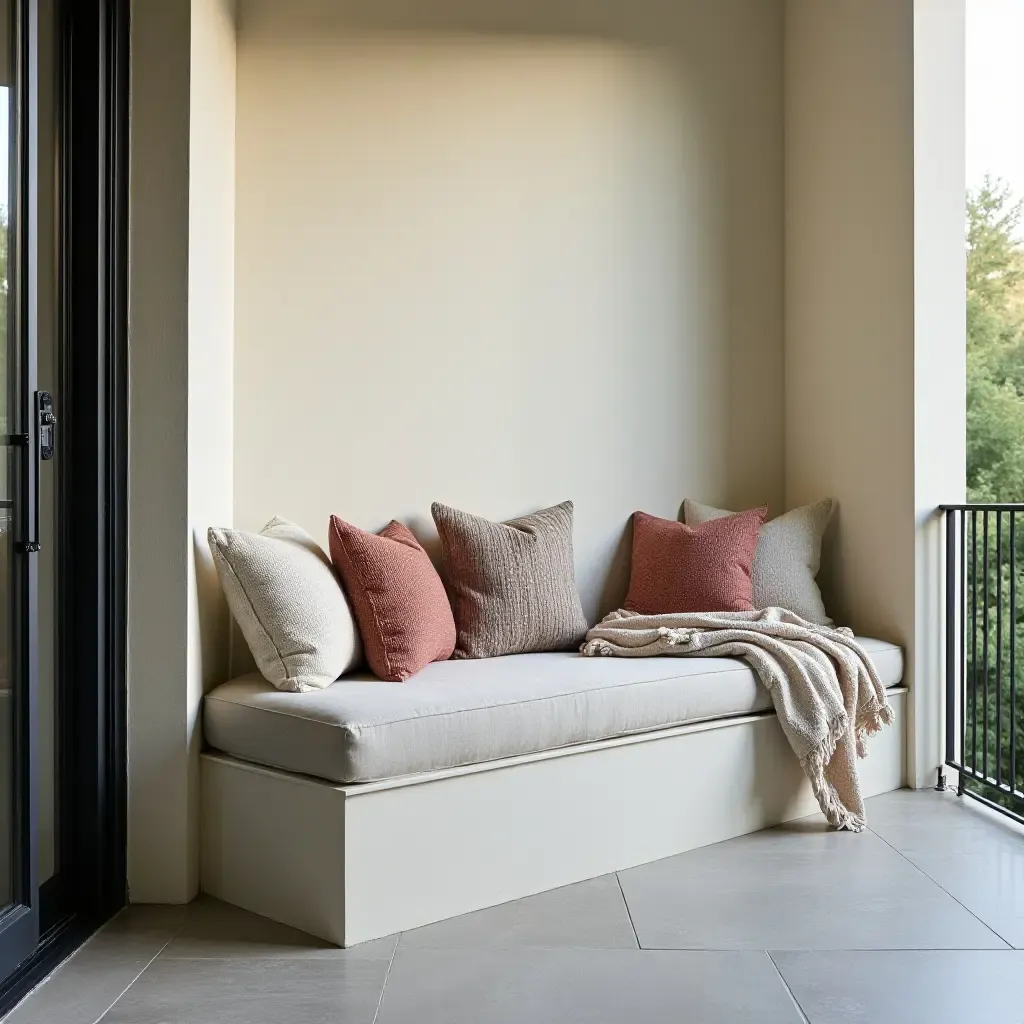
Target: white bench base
(352, 863)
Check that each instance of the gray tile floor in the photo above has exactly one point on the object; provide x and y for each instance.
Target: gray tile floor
(921, 919)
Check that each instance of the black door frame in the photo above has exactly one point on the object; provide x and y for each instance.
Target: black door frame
(93, 102)
(19, 925)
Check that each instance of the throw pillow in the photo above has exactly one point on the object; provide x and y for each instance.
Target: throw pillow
(787, 558)
(399, 600)
(512, 585)
(680, 568)
(288, 603)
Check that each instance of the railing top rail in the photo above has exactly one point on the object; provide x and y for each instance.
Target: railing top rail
(984, 507)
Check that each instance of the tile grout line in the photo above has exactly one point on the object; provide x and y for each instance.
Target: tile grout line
(387, 974)
(937, 883)
(149, 963)
(80, 949)
(782, 978)
(629, 913)
(117, 998)
(788, 949)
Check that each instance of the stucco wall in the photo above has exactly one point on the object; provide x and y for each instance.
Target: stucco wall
(505, 254)
(181, 245)
(502, 255)
(875, 313)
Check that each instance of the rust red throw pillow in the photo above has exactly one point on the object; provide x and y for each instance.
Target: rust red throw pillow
(680, 568)
(397, 597)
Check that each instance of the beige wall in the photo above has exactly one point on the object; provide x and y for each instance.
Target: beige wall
(502, 255)
(850, 296)
(211, 335)
(874, 379)
(181, 250)
(159, 860)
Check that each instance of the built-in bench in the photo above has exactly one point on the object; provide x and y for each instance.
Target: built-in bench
(369, 807)
(456, 713)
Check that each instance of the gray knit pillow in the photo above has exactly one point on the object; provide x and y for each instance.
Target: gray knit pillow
(787, 557)
(511, 585)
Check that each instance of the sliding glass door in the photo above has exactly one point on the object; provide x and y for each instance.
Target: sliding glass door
(21, 410)
(63, 352)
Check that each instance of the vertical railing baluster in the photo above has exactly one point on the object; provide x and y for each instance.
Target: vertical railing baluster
(974, 641)
(1013, 651)
(984, 644)
(950, 524)
(981, 652)
(999, 647)
(963, 646)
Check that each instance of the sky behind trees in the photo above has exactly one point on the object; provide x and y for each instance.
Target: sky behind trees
(995, 93)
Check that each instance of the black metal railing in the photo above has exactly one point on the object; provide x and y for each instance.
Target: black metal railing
(984, 644)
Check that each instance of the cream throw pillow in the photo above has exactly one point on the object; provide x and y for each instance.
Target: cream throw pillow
(787, 558)
(283, 592)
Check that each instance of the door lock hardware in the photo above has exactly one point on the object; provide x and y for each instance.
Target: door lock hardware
(47, 426)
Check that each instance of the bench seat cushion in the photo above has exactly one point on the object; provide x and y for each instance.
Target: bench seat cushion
(453, 713)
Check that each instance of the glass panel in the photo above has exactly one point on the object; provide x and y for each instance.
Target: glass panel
(49, 377)
(8, 830)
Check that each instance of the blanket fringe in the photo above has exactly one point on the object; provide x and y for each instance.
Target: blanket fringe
(836, 813)
(874, 717)
(787, 654)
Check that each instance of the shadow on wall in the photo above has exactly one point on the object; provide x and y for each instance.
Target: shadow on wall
(506, 254)
(830, 576)
(210, 615)
(644, 23)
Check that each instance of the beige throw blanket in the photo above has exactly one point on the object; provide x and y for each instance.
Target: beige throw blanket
(826, 692)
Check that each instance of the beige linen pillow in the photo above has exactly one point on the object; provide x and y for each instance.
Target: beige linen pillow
(511, 585)
(283, 592)
(787, 558)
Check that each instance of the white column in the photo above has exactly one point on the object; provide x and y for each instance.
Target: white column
(875, 377)
(940, 349)
(181, 300)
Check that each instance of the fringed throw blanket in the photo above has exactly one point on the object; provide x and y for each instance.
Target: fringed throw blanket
(826, 692)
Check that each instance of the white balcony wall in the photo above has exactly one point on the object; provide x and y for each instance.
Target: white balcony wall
(875, 313)
(181, 311)
(504, 254)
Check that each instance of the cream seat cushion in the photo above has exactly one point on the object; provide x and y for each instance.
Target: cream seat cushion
(465, 712)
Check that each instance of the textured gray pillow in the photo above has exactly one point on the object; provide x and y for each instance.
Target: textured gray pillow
(511, 585)
(787, 557)
(288, 603)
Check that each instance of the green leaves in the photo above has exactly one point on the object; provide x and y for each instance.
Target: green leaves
(995, 344)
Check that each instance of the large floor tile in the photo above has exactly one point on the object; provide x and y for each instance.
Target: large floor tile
(990, 885)
(85, 986)
(259, 991)
(906, 986)
(927, 822)
(219, 930)
(599, 986)
(590, 913)
(976, 855)
(800, 886)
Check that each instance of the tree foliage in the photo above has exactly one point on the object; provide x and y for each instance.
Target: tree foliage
(994, 702)
(995, 345)
(4, 341)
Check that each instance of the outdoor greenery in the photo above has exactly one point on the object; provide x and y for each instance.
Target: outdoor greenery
(3, 319)
(995, 473)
